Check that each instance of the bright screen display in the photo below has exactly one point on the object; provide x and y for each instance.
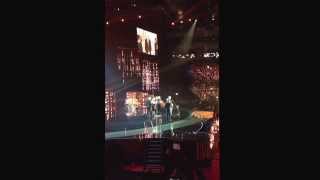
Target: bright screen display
(147, 42)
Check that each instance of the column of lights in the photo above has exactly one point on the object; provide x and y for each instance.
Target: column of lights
(146, 76)
(128, 63)
(110, 105)
(150, 76)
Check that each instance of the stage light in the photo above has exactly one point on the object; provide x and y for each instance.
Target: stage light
(190, 20)
(107, 22)
(139, 16)
(186, 42)
(196, 20)
(118, 9)
(172, 24)
(122, 20)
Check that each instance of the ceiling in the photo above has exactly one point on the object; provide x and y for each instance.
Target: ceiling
(173, 10)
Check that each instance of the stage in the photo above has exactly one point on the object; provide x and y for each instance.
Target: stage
(134, 127)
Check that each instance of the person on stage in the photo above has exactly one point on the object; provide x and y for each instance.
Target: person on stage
(149, 108)
(158, 105)
(178, 111)
(153, 105)
(169, 109)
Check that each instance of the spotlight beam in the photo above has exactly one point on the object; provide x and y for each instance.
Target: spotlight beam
(186, 43)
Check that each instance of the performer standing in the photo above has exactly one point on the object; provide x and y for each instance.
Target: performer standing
(158, 105)
(168, 108)
(171, 107)
(153, 105)
(178, 111)
(149, 108)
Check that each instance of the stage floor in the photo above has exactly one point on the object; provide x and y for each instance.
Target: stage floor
(137, 126)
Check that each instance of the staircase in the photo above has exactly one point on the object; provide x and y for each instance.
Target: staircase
(153, 156)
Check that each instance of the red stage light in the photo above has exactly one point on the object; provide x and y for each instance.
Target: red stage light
(139, 16)
(122, 20)
(190, 20)
(181, 22)
(172, 24)
(107, 22)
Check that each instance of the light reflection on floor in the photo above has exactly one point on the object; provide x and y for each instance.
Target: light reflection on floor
(154, 130)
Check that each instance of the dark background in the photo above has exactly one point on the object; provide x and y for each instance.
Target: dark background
(54, 90)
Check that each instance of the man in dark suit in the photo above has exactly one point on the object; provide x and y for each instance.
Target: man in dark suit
(146, 46)
(150, 48)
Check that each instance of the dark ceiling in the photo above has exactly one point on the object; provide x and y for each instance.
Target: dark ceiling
(189, 8)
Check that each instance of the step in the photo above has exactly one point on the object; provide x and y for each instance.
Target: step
(153, 152)
(154, 156)
(154, 144)
(153, 165)
(153, 161)
(153, 149)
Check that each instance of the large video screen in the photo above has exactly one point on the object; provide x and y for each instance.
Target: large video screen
(147, 42)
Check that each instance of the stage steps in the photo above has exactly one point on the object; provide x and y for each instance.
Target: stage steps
(153, 156)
